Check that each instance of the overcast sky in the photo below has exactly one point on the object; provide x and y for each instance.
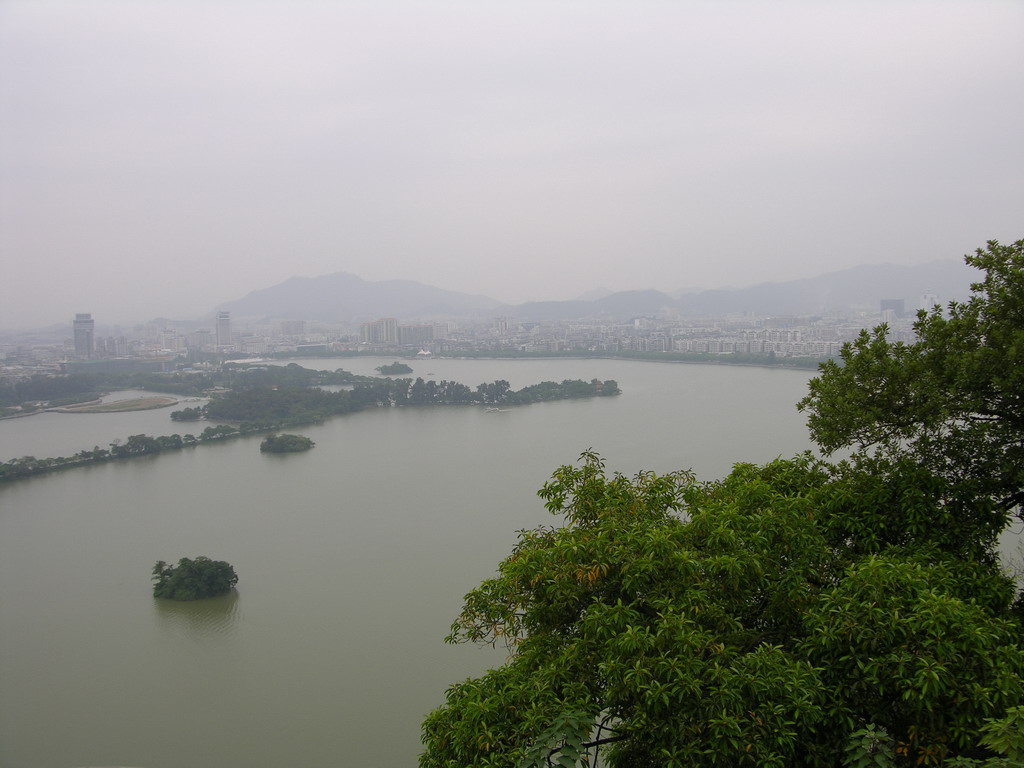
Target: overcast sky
(159, 158)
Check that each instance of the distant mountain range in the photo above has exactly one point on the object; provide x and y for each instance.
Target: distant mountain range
(345, 297)
(857, 287)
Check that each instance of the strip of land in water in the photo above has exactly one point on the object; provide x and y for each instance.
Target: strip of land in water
(258, 405)
(119, 406)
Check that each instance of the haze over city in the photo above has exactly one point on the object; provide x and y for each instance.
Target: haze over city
(161, 159)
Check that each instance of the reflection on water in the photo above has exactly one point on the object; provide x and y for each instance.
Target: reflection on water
(201, 620)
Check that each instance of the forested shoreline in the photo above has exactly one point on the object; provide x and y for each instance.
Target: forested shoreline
(271, 399)
(41, 391)
(294, 406)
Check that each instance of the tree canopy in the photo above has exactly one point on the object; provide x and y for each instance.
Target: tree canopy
(797, 614)
(953, 402)
(391, 369)
(285, 444)
(193, 579)
(760, 620)
(187, 414)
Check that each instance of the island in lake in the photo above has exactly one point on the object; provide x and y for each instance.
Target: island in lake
(268, 399)
(395, 368)
(193, 579)
(285, 444)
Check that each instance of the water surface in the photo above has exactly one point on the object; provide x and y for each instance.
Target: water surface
(352, 561)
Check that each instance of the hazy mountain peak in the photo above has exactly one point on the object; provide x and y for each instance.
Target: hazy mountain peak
(594, 294)
(344, 296)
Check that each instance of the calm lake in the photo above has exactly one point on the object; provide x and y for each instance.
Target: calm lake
(352, 560)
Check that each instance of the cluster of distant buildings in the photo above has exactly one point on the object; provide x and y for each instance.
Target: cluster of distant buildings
(152, 348)
(388, 332)
(124, 353)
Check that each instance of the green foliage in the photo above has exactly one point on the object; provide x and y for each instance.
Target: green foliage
(296, 406)
(952, 401)
(869, 748)
(562, 743)
(285, 444)
(43, 387)
(193, 579)
(187, 414)
(395, 368)
(49, 388)
(1003, 736)
(135, 445)
(219, 432)
(84, 397)
(63, 386)
(754, 621)
(567, 389)
(290, 376)
(269, 404)
(270, 398)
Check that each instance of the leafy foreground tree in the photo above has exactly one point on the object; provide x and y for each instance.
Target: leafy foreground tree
(763, 620)
(193, 579)
(953, 402)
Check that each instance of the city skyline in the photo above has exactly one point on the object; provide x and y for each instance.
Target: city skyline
(953, 275)
(628, 322)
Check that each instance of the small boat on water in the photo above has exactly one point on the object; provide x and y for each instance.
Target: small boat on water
(497, 410)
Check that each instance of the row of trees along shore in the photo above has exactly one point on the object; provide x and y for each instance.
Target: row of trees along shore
(288, 404)
(803, 613)
(257, 407)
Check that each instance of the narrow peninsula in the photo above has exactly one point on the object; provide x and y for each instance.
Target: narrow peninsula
(269, 399)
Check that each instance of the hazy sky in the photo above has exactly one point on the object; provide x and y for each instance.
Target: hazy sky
(158, 158)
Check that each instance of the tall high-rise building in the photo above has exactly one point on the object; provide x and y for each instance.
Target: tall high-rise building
(223, 329)
(85, 330)
(388, 330)
(415, 334)
(383, 331)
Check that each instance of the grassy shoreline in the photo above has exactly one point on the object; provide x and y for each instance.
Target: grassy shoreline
(119, 406)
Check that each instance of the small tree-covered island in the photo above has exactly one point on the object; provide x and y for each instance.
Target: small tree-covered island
(798, 614)
(286, 444)
(394, 369)
(197, 579)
